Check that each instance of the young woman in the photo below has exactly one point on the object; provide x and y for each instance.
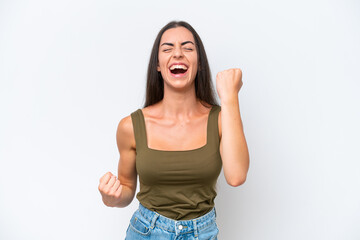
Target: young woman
(178, 142)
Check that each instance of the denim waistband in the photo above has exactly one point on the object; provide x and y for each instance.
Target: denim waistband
(178, 226)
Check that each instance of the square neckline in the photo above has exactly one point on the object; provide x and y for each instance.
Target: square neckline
(177, 151)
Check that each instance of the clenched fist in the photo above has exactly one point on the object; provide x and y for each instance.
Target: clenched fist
(110, 189)
(228, 83)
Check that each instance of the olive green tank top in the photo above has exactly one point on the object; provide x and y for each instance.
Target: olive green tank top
(178, 184)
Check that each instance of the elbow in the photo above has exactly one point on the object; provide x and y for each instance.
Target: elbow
(235, 182)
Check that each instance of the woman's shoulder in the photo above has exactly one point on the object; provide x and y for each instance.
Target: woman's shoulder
(151, 111)
(124, 132)
(125, 125)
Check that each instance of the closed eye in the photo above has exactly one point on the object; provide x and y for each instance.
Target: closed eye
(187, 49)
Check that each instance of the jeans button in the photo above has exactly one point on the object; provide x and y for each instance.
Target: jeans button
(180, 227)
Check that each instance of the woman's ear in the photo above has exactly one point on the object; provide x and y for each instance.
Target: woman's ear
(158, 68)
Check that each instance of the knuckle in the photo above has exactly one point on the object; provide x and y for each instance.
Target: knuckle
(106, 191)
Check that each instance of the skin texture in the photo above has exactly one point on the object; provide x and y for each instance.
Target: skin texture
(179, 120)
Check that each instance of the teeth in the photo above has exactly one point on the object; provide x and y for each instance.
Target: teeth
(178, 67)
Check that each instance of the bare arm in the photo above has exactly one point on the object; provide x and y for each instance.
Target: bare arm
(233, 148)
(120, 192)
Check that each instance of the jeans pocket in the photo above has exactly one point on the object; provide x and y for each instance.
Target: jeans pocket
(139, 224)
(210, 232)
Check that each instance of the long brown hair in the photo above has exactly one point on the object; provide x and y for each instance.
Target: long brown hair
(204, 89)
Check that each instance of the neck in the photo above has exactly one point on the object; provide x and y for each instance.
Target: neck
(178, 103)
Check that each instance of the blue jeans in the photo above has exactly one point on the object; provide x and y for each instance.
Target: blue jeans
(146, 224)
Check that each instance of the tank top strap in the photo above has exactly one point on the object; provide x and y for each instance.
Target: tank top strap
(139, 129)
(213, 137)
(213, 129)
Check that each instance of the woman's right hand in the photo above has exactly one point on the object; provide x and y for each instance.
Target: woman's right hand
(110, 189)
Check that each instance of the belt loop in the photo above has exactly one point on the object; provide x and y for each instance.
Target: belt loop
(215, 212)
(153, 220)
(195, 229)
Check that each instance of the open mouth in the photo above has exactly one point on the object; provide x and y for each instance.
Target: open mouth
(178, 70)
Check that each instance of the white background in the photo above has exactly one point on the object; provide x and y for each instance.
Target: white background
(70, 70)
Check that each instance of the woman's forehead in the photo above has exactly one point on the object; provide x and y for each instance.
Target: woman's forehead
(178, 34)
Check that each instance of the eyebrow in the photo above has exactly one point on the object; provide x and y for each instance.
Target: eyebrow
(170, 44)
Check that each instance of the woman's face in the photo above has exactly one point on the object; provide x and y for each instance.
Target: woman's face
(177, 57)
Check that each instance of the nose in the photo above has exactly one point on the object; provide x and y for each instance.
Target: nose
(178, 52)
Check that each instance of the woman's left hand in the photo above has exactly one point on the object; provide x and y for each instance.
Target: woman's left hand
(228, 83)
